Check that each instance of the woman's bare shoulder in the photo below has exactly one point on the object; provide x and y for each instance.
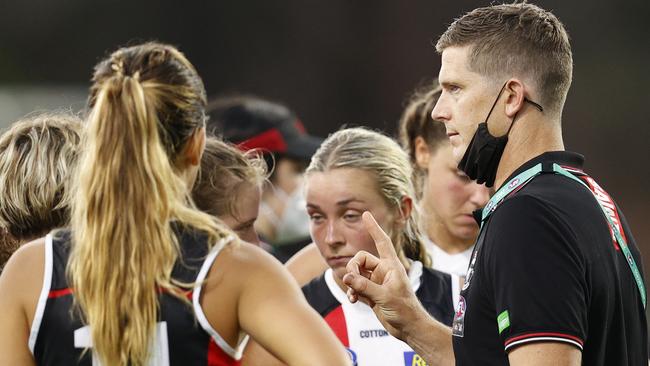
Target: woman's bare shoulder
(27, 262)
(249, 259)
(22, 277)
(306, 265)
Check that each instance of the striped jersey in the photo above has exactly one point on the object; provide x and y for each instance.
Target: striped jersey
(183, 335)
(357, 326)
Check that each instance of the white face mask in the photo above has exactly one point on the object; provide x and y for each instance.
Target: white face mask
(293, 224)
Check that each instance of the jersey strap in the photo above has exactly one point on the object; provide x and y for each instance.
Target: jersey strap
(526, 176)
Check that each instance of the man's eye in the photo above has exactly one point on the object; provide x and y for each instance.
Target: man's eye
(453, 89)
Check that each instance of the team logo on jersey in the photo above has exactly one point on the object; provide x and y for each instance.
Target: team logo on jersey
(458, 326)
(353, 356)
(413, 359)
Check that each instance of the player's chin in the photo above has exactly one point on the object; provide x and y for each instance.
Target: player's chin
(466, 231)
(339, 272)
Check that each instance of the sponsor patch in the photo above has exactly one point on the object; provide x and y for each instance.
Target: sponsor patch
(413, 359)
(373, 333)
(503, 321)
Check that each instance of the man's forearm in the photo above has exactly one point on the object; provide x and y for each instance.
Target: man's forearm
(431, 340)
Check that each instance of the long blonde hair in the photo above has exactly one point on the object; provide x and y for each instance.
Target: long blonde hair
(381, 156)
(146, 101)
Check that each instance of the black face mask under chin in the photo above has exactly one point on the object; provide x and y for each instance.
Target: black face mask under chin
(481, 159)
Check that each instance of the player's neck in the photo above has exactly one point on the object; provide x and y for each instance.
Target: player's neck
(535, 137)
(339, 283)
(445, 240)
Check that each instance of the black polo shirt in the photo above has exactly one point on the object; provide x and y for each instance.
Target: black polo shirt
(546, 269)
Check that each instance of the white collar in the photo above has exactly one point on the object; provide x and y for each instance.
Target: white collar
(414, 273)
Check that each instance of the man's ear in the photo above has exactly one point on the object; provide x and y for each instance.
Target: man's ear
(193, 151)
(422, 152)
(515, 97)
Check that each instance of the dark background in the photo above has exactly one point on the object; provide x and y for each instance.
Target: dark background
(352, 61)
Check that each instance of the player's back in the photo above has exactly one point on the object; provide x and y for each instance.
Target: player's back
(183, 336)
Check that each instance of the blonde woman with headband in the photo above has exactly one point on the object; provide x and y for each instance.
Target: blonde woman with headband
(357, 170)
(37, 156)
(142, 277)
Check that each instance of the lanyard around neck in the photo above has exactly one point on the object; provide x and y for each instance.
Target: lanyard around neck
(526, 176)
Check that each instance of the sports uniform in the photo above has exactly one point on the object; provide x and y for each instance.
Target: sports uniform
(453, 264)
(357, 326)
(183, 334)
(442, 261)
(555, 261)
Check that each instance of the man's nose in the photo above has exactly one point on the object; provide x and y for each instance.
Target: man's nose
(440, 111)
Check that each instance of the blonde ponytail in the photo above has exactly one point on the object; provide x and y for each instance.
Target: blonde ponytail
(145, 103)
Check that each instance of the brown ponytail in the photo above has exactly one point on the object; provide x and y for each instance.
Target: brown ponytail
(416, 122)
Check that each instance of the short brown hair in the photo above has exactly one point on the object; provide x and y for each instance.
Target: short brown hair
(516, 39)
(224, 171)
(37, 156)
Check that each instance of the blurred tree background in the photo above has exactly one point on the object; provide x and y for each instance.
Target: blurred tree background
(340, 62)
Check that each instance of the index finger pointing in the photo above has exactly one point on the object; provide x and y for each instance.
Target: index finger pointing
(382, 241)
